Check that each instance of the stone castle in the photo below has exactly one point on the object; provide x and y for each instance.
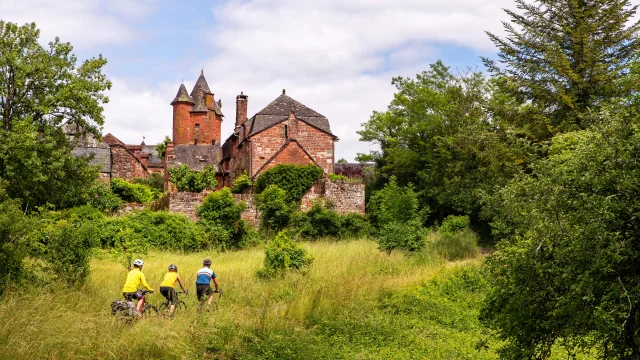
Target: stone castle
(284, 132)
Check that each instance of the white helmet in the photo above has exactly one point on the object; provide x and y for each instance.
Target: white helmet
(138, 262)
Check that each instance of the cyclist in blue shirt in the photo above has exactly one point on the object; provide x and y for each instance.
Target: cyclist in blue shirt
(203, 283)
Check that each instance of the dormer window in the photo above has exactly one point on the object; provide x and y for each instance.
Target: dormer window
(284, 131)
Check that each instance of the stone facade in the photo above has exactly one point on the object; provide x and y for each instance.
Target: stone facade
(125, 165)
(344, 197)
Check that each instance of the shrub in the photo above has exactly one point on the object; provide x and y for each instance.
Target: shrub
(155, 181)
(320, 221)
(355, 226)
(459, 245)
(14, 226)
(341, 177)
(132, 192)
(102, 198)
(452, 224)
(136, 233)
(282, 255)
(221, 216)
(68, 251)
(240, 183)
(275, 211)
(408, 236)
(394, 211)
(295, 180)
(189, 180)
(337, 177)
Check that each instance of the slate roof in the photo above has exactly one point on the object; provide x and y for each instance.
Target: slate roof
(197, 94)
(153, 160)
(197, 157)
(101, 156)
(182, 95)
(280, 108)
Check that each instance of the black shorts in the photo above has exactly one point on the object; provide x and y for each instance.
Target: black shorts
(203, 289)
(129, 296)
(169, 293)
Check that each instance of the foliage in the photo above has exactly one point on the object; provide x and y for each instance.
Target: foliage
(189, 180)
(342, 161)
(14, 226)
(408, 236)
(458, 245)
(566, 269)
(133, 235)
(101, 197)
(161, 147)
(68, 251)
(337, 177)
(437, 135)
(561, 60)
(282, 255)
(41, 89)
(275, 211)
(295, 180)
(452, 224)
(240, 183)
(130, 192)
(221, 216)
(155, 181)
(321, 222)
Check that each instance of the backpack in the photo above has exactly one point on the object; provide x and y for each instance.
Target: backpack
(119, 306)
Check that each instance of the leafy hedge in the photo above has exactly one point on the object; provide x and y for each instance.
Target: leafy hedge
(295, 180)
(189, 180)
(282, 255)
(322, 222)
(275, 211)
(240, 183)
(130, 192)
(220, 216)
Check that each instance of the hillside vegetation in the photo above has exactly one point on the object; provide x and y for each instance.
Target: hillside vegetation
(355, 303)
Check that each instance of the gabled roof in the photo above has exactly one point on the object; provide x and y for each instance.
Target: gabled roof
(280, 109)
(197, 94)
(197, 157)
(111, 140)
(182, 96)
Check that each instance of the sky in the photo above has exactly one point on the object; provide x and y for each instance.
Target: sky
(335, 56)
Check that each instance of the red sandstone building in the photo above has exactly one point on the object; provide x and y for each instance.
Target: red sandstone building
(284, 132)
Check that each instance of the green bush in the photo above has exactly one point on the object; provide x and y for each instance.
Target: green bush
(102, 198)
(295, 180)
(282, 255)
(322, 222)
(275, 211)
(394, 212)
(408, 236)
(14, 227)
(161, 230)
(130, 192)
(68, 251)
(461, 244)
(220, 216)
(337, 177)
(189, 180)
(452, 224)
(240, 183)
(155, 181)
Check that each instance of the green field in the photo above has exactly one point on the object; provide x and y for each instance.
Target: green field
(355, 303)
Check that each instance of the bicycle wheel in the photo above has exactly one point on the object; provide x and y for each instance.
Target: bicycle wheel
(163, 307)
(149, 310)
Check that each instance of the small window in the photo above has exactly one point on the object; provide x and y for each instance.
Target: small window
(197, 126)
(284, 131)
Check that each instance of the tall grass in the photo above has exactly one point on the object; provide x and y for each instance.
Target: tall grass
(354, 303)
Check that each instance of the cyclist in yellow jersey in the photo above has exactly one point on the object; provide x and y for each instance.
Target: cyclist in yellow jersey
(135, 278)
(166, 287)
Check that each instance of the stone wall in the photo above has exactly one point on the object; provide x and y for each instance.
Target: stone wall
(314, 194)
(345, 197)
(250, 213)
(185, 203)
(125, 165)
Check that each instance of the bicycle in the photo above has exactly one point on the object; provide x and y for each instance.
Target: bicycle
(179, 303)
(127, 309)
(214, 303)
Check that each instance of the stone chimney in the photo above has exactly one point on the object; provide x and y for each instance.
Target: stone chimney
(241, 108)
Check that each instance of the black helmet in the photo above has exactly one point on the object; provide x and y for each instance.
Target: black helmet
(173, 267)
(206, 262)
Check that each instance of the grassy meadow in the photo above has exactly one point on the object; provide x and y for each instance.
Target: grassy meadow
(355, 303)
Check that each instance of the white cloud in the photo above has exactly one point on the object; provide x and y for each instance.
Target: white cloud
(83, 23)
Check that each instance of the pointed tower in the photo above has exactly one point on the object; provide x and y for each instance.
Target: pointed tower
(206, 114)
(182, 105)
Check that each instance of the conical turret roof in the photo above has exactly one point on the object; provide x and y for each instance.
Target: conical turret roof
(197, 94)
(182, 96)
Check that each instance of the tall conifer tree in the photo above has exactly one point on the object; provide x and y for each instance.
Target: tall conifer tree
(563, 57)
